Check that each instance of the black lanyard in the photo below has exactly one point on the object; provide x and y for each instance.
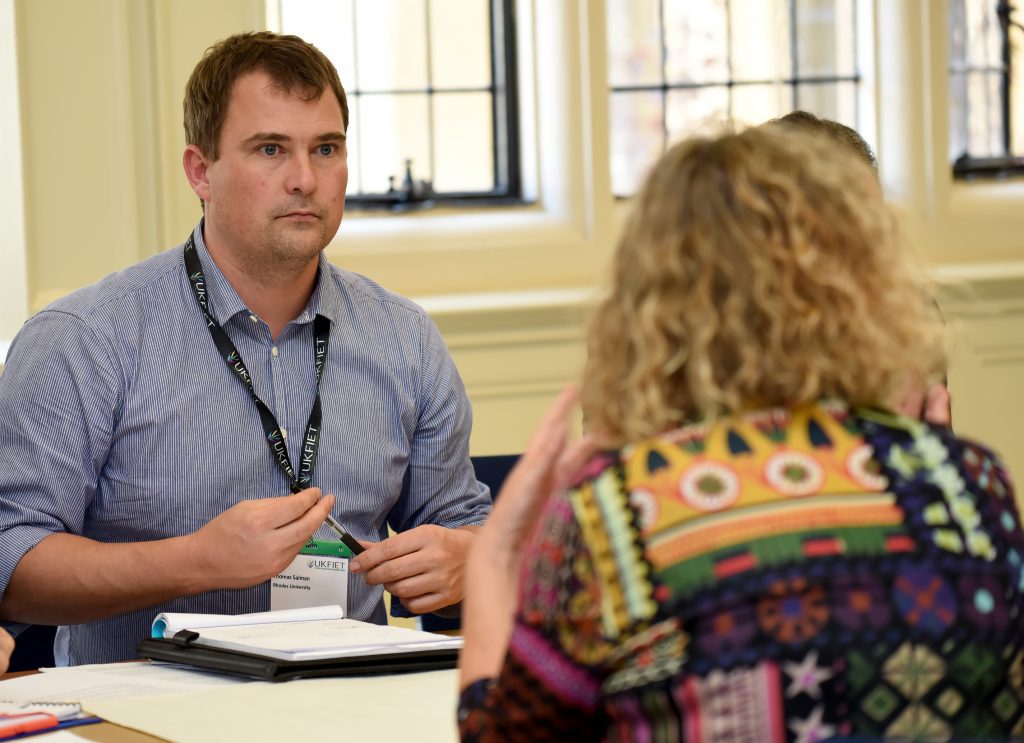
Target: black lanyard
(275, 438)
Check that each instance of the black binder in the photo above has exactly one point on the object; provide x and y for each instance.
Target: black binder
(179, 649)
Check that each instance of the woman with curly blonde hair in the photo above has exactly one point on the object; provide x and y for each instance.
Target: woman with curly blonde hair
(757, 270)
(750, 544)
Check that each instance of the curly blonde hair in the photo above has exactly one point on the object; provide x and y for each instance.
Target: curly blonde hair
(757, 269)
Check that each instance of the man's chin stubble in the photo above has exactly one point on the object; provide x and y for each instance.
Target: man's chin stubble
(300, 247)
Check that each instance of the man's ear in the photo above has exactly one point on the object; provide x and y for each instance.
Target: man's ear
(196, 166)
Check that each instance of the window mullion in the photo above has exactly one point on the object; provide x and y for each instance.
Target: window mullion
(428, 47)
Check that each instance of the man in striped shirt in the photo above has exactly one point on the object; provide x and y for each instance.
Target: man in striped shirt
(155, 422)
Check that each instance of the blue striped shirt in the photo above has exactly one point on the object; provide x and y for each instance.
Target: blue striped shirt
(121, 423)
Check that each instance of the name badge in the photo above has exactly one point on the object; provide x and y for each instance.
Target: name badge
(318, 576)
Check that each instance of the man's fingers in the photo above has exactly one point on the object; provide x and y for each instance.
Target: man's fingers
(390, 549)
(418, 585)
(6, 648)
(427, 603)
(406, 566)
(302, 527)
(287, 508)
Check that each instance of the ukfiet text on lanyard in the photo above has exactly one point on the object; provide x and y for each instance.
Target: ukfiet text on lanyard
(227, 350)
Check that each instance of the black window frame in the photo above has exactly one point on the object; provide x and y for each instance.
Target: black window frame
(408, 191)
(966, 167)
(794, 81)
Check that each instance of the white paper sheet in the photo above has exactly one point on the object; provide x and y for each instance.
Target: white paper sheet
(167, 623)
(331, 638)
(416, 707)
(110, 681)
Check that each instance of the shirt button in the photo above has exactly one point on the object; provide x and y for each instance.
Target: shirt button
(273, 351)
(254, 318)
(284, 432)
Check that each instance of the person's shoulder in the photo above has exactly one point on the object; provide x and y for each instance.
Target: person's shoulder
(95, 303)
(908, 446)
(102, 319)
(369, 294)
(602, 464)
(978, 462)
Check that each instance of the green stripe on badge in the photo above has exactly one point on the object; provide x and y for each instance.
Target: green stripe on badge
(323, 548)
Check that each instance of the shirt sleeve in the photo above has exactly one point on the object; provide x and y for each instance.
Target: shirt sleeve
(58, 400)
(440, 486)
(550, 686)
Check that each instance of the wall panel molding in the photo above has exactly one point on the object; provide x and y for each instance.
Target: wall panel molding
(984, 307)
(515, 353)
(514, 359)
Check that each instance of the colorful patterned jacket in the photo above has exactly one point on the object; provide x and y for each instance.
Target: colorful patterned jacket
(785, 576)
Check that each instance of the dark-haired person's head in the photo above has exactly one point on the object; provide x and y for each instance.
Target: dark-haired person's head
(833, 130)
(294, 65)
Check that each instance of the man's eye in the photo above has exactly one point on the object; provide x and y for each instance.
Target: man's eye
(269, 149)
(327, 149)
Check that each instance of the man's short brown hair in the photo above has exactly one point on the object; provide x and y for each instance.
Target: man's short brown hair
(293, 64)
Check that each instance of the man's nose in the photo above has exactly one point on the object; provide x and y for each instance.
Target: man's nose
(301, 178)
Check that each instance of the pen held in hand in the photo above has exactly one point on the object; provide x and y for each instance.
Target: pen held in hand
(347, 539)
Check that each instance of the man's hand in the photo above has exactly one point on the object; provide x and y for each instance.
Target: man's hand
(423, 566)
(256, 539)
(6, 648)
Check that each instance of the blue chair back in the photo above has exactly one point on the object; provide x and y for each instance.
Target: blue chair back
(491, 471)
(33, 648)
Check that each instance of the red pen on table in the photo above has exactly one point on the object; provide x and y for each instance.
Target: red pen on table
(28, 722)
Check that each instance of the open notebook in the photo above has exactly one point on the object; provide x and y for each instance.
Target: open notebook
(296, 643)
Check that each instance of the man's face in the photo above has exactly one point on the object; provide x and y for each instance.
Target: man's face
(276, 194)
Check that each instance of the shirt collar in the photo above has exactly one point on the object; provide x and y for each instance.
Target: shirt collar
(224, 302)
(325, 299)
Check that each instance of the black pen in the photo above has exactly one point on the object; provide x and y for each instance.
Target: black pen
(347, 539)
